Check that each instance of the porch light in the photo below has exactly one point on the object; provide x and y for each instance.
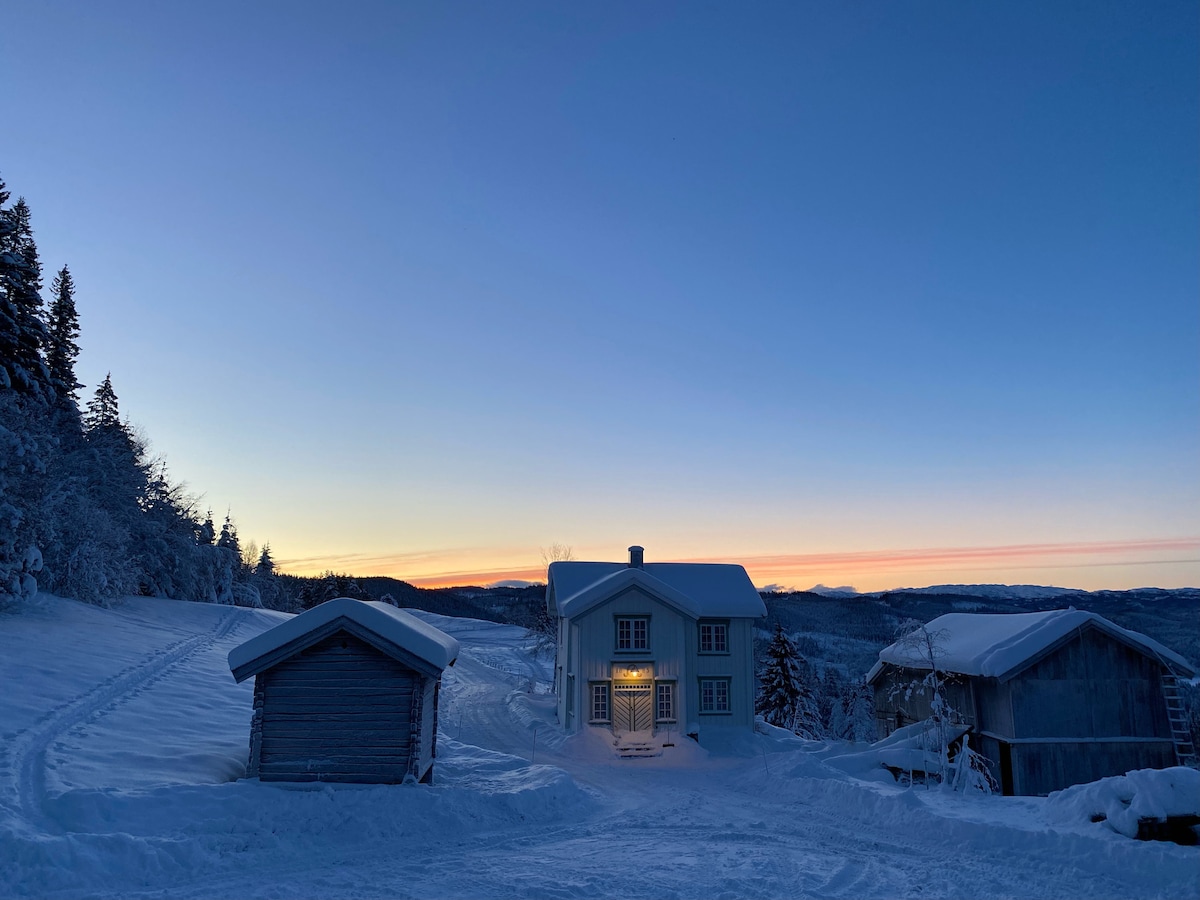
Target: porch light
(633, 673)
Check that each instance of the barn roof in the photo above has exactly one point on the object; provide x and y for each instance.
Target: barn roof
(696, 589)
(998, 645)
(390, 630)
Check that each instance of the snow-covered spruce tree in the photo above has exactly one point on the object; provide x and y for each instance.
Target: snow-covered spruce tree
(62, 348)
(831, 687)
(206, 532)
(266, 565)
(786, 697)
(22, 332)
(859, 717)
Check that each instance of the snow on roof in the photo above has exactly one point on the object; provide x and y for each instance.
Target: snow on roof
(994, 645)
(395, 625)
(697, 589)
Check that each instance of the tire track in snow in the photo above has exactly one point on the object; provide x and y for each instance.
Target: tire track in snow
(27, 751)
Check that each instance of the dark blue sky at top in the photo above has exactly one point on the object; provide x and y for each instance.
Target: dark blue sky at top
(825, 256)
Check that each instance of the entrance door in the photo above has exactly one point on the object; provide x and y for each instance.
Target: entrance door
(633, 706)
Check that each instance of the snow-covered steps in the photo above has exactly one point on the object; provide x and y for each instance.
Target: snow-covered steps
(633, 746)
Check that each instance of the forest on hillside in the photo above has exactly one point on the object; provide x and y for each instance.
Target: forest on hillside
(86, 509)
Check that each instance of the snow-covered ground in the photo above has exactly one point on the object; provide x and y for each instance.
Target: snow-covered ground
(124, 737)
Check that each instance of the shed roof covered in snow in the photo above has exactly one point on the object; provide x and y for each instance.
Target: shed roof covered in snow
(390, 630)
(998, 645)
(696, 589)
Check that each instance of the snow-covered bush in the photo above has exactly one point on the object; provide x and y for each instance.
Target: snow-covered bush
(1122, 801)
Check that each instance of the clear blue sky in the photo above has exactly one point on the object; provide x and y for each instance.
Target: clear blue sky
(419, 289)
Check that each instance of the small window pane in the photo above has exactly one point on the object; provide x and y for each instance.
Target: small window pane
(640, 637)
(624, 641)
(720, 639)
(599, 702)
(666, 702)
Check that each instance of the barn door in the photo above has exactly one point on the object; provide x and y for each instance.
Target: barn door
(633, 706)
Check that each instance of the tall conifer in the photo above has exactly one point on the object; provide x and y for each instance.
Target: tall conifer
(22, 333)
(62, 347)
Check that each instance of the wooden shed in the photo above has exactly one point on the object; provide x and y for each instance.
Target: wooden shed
(1051, 698)
(346, 691)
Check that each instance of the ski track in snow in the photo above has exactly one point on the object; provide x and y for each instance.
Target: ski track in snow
(27, 751)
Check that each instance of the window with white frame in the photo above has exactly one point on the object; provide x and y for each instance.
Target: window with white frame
(633, 633)
(714, 695)
(664, 702)
(714, 637)
(600, 703)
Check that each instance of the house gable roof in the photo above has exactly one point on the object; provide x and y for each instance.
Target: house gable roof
(390, 630)
(997, 645)
(697, 590)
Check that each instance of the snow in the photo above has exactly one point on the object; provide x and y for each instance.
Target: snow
(994, 645)
(699, 589)
(1120, 801)
(124, 739)
(910, 749)
(395, 625)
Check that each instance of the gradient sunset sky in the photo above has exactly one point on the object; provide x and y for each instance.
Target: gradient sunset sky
(869, 294)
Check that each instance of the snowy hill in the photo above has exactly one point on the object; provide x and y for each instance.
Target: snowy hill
(125, 741)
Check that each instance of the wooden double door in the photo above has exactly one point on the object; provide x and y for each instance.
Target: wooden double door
(633, 706)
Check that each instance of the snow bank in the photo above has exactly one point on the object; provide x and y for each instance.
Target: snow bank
(1120, 801)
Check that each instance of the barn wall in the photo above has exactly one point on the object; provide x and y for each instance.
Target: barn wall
(1093, 686)
(337, 711)
(893, 708)
(1039, 769)
(993, 711)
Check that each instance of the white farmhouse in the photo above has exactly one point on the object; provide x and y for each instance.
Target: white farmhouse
(648, 646)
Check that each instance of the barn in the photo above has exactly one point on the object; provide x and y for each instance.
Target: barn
(1051, 698)
(346, 691)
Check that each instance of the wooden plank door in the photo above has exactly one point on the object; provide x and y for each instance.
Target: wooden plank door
(633, 707)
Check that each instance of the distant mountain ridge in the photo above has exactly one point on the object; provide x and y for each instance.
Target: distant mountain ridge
(1000, 591)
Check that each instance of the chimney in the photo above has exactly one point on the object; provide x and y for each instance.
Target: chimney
(635, 557)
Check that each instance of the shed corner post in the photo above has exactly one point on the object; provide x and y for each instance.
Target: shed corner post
(256, 727)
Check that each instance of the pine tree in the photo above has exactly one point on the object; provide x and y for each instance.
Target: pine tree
(63, 331)
(229, 538)
(206, 532)
(859, 705)
(786, 698)
(266, 565)
(103, 411)
(22, 333)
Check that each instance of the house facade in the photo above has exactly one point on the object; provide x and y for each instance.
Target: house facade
(1050, 698)
(650, 647)
(346, 691)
